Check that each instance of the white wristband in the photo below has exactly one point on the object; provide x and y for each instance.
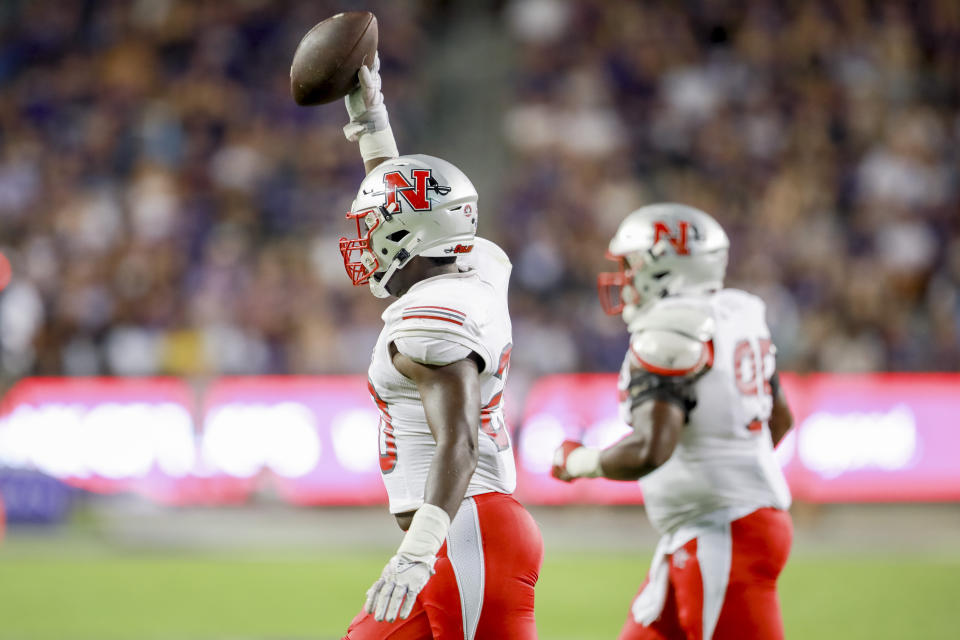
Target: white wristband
(584, 462)
(378, 144)
(426, 534)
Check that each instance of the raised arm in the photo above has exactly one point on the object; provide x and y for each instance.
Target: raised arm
(369, 124)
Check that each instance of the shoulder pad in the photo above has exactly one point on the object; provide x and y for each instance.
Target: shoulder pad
(687, 316)
(674, 338)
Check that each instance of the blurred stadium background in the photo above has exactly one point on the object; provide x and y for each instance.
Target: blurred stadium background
(185, 447)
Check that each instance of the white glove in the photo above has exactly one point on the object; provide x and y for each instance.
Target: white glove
(396, 591)
(368, 113)
(408, 571)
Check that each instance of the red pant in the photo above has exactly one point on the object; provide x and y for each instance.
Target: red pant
(741, 603)
(483, 586)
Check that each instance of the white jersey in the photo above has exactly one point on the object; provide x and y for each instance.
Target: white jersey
(438, 321)
(724, 458)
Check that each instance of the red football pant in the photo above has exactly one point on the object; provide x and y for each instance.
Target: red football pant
(755, 548)
(483, 585)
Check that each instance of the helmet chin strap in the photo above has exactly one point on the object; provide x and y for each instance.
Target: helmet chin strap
(379, 287)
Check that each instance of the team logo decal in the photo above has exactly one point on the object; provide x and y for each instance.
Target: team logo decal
(416, 192)
(676, 238)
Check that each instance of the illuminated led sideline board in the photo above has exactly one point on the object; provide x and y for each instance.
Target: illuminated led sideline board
(887, 437)
(315, 440)
(306, 440)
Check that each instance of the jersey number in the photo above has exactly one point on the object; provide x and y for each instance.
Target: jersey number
(388, 442)
(491, 421)
(753, 370)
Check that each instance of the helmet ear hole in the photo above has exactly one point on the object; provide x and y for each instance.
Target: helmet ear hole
(397, 236)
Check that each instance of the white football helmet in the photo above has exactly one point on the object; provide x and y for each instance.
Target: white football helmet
(410, 206)
(662, 249)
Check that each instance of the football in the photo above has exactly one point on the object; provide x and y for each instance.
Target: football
(327, 59)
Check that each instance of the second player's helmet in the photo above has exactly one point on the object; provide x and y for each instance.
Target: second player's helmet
(409, 206)
(663, 249)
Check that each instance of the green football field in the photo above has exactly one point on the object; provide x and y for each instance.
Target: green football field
(52, 593)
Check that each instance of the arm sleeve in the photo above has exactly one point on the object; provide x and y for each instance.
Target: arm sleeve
(438, 336)
(430, 350)
(645, 385)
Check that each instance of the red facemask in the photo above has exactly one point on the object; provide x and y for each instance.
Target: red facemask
(358, 257)
(610, 285)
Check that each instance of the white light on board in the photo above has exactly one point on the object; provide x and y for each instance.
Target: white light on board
(240, 439)
(354, 434)
(111, 440)
(540, 436)
(836, 443)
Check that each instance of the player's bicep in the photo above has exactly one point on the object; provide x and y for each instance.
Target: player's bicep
(656, 430)
(658, 422)
(450, 394)
(658, 409)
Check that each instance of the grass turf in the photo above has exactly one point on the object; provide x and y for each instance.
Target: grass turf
(55, 594)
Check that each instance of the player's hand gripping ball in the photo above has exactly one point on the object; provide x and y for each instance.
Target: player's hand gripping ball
(328, 58)
(368, 113)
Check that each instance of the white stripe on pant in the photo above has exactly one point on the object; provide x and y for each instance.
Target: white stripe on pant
(714, 555)
(465, 551)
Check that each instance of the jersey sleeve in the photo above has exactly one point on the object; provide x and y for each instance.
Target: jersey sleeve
(438, 334)
(430, 350)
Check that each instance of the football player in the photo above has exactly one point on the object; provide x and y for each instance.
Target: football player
(700, 389)
(470, 558)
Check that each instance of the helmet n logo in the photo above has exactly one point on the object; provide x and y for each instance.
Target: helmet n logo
(417, 195)
(678, 239)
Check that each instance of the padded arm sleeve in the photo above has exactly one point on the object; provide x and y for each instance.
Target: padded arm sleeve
(645, 385)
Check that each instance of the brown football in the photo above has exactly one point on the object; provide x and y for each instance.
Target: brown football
(327, 59)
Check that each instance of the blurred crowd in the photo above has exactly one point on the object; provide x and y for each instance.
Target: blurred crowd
(167, 209)
(165, 205)
(823, 135)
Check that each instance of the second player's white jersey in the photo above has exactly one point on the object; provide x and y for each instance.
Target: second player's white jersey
(440, 320)
(724, 458)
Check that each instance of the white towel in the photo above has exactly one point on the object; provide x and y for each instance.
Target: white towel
(648, 604)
